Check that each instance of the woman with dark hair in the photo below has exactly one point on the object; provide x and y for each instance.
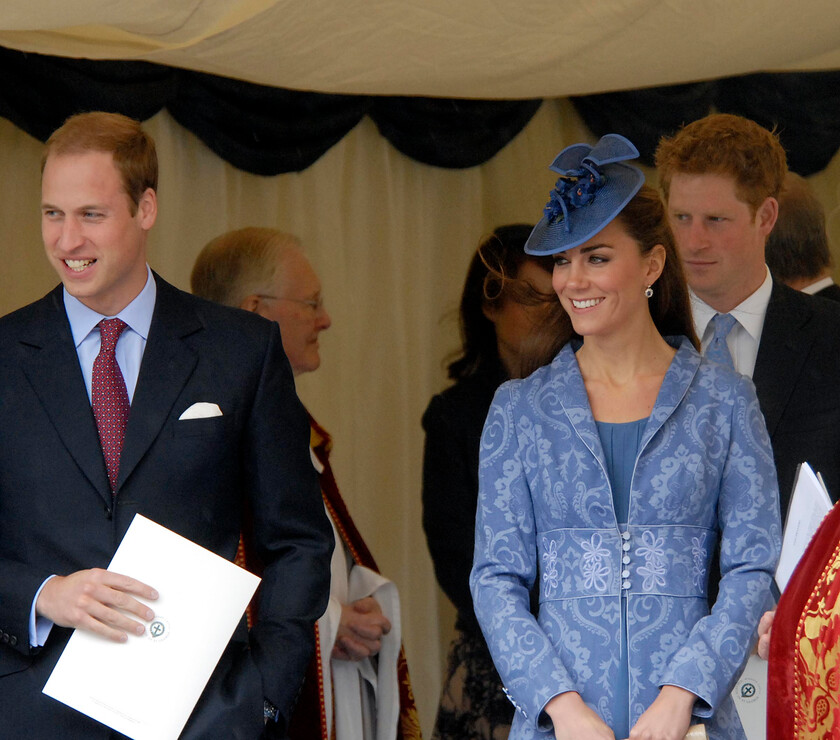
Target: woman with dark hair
(506, 293)
(608, 477)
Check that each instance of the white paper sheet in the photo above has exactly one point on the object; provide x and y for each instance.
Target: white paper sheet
(809, 504)
(147, 687)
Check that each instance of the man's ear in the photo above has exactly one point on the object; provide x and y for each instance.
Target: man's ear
(147, 209)
(250, 303)
(766, 215)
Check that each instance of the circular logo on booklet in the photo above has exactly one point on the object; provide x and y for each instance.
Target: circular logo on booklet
(158, 629)
(748, 690)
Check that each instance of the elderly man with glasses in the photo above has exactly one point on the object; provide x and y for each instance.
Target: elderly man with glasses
(359, 680)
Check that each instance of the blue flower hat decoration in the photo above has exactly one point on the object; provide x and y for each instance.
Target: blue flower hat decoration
(594, 185)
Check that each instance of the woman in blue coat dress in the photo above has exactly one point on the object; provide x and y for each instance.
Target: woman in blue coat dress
(609, 476)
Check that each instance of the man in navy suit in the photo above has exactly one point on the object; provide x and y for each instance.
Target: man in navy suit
(722, 176)
(63, 509)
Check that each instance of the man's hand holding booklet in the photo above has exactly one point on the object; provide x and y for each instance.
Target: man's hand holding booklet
(147, 687)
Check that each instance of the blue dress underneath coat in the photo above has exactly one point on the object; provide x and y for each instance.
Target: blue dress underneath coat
(621, 445)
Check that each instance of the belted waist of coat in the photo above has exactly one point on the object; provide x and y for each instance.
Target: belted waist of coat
(667, 560)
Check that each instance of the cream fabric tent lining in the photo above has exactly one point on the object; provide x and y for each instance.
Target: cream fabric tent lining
(471, 49)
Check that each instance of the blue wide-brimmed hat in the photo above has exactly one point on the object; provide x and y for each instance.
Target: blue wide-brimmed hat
(592, 189)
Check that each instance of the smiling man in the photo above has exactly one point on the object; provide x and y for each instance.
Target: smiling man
(101, 382)
(94, 231)
(721, 177)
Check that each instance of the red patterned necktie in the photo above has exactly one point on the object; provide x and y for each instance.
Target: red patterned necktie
(109, 397)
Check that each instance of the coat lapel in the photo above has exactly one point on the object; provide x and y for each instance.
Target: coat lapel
(782, 352)
(575, 402)
(168, 362)
(51, 365)
(674, 386)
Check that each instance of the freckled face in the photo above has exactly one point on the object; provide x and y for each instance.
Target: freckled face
(601, 283)
(720, 241)
(94, 243)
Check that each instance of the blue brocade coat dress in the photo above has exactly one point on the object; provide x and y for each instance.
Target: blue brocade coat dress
(545, 511)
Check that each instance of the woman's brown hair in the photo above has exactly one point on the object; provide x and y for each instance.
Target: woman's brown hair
(492, 278)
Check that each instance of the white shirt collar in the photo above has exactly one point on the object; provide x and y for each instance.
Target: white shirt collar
(749, 313)
(818, 286)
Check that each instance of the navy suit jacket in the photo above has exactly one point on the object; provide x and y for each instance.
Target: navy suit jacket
(831, 292)
(797, 379)
(202, 478)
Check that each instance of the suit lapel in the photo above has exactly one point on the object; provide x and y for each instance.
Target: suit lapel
(51, 365)
(782, 352)
(168, 362)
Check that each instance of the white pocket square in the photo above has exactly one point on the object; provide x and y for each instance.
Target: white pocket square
(201, 410)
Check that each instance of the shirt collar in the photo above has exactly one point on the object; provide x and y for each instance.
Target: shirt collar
(749, 313)
(818, 286)
(137, 314)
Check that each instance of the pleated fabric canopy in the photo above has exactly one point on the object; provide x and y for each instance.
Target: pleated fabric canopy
(271, 85)
(466, 49)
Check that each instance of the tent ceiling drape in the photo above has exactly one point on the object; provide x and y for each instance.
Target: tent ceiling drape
(467, 49)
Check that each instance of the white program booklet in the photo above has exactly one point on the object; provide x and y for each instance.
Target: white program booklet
(147, 687)
(809, 504)
(750, 697)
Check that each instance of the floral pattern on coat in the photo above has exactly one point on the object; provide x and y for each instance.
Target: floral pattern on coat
(704, 472)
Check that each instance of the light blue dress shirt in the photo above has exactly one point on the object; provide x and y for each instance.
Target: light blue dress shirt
(132, 342)
(129, 351)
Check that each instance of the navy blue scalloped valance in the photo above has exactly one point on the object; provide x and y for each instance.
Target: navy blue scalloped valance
(803, 107)
(259, 129)
(268, 131)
